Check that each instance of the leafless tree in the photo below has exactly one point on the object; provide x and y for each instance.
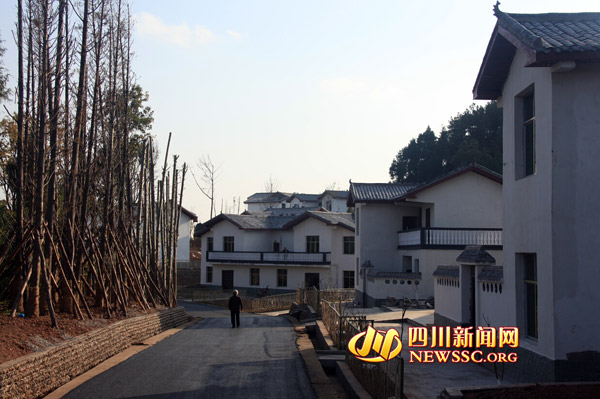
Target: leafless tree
(91, 222)
(271, 188)
(209, 174)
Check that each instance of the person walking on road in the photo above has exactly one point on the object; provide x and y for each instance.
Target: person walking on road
(235, 306)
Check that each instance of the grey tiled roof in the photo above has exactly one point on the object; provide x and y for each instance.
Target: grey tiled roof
(446, 272)
(365, 192)
(259, 222)
(475, 255)
(266, 197)
(278, 212)
(334, 218)
(304, 197)
(279, 219)
(559, 32)
(493, 274)
(339, 194)
(545, 38)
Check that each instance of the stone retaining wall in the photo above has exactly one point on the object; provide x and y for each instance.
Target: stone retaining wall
(39, 373)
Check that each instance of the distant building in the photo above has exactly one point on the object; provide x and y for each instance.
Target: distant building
(261, 201)
(329, 200)
(544, 69)
(404, 231)
(186, 224)
(308, 201)
(334, 201)
(282, 248)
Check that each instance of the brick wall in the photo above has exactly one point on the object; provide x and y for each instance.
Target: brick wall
(39, 373)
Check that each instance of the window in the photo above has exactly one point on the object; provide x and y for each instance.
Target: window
(410, 222)
(530, 280)
(312, 244)
(228, 244)
(209, 271)
(525, 134)
(407, 264)
(282, 277)
(349, 245)
(254, 276)
(209, 244)
(348, 279)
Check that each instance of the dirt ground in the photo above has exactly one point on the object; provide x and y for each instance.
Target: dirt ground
(22, 335)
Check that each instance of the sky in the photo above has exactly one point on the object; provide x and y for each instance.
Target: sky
(308, 94)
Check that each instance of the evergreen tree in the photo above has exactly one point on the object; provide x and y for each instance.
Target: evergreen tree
(474, 136)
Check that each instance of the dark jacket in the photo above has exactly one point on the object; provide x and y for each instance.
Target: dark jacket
(235, 304)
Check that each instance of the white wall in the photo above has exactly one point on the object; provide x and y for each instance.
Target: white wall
(183, 242)
(575, 194)
(377, 240)
(268, 275)
(447, 294)
(527, 204)
(468, 200)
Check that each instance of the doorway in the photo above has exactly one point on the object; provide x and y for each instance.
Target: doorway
(227, 279)
(311, 280)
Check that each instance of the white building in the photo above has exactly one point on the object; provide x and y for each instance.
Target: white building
(404, 231)
(186, 226)
(262, 201)
(283, 249)
(544, 70)
(334, 201)
(296, 200)
(329, 200)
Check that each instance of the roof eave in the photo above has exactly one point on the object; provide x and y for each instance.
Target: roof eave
(475, 168)
(492, 74)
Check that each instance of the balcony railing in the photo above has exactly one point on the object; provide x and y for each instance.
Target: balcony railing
(280, 258)
(432, 237)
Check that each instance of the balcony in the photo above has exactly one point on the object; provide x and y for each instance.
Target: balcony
(449, 238)
(279, 258)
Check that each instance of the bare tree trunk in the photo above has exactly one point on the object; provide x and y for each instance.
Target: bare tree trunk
(33, 303)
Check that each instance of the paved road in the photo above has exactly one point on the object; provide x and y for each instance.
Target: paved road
(211, 360)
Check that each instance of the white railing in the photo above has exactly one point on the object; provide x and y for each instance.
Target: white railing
(319, 258)
(234, 256)
(409, 237)
(450, 237)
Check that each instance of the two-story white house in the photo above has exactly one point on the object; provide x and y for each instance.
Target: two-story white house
(544, 69)
(283, 249)
(404, 231)
(329, 200)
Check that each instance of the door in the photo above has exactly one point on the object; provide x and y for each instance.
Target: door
(311, 280)
(227, 279)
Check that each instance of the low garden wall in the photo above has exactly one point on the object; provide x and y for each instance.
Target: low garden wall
(39, 373)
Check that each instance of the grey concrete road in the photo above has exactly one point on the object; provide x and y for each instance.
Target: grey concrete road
(211, 360)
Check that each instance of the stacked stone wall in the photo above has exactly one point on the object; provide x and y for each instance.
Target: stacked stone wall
(38, 373)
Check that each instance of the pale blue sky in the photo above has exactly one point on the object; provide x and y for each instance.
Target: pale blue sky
(308, 92)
